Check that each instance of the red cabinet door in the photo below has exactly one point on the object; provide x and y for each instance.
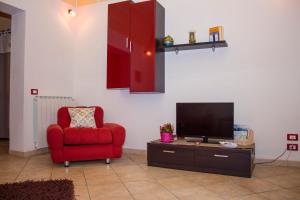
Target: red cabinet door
(142, 45)
(134, 31)
(118, 55)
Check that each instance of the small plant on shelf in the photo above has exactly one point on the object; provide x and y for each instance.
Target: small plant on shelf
(167, 128)
(166, 132)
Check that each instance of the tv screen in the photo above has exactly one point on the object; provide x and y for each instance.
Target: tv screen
(209, 120)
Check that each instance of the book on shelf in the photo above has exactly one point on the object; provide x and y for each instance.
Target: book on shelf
(216, 34)
(243, 135)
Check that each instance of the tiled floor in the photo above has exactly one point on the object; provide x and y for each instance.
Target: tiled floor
(130, 178)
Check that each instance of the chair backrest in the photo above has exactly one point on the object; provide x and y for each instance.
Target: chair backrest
(64, 119)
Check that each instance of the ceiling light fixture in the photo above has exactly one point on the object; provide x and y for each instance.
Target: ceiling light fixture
(73, 12)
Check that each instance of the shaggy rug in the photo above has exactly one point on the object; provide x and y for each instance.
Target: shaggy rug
(38, 190)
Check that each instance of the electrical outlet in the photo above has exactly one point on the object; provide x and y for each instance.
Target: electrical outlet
(34, 92)
(292, 147)
(292, 137)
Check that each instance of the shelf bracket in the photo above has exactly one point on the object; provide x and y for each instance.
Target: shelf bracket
(177, 51)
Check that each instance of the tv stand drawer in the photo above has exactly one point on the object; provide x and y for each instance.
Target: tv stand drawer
(170, 155)
(223, 159)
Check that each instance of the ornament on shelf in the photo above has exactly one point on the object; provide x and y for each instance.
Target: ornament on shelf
(168, 41)
(192, 37)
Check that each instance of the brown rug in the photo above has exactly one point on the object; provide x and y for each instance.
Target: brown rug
(38, 190)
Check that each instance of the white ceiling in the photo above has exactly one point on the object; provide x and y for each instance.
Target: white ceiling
(83, 2)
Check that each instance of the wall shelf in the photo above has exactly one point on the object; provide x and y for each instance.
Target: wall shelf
(200, 45)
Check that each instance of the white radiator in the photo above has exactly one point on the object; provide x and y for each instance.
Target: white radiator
(45, 113)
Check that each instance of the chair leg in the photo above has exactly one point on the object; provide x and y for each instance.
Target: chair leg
(107, 160)
(67, 163)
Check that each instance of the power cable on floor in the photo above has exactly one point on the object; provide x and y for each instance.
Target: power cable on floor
(272, 161)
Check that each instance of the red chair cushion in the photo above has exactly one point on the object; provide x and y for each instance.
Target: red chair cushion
(80, 136)
(64, 119)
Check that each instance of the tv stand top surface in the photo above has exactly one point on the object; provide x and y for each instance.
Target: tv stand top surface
(182, 141)
(207, 140)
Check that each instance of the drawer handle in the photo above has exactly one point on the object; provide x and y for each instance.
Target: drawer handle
(221, 156)
(166, 151)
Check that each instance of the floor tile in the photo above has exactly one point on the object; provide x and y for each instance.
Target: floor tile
(257, 185)
(109, 191)
(81, 192)
(175, 183)
(112, 197)
(72, 173)
(295, 190)
(122, 162)
(157, 195)
(138, 158)
(205, 179)
(157, 172)
(262, 171)
(131, 173)
(101, 170)
(135, 176)
(4, 180)
(101, 180)
(34, 175)
(250, 197)
(228, 190)
(284, 181)
(281, 194)
(141, 187)
(124, 169)
(196, 193)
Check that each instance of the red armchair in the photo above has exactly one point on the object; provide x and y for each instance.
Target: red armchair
(76, 144)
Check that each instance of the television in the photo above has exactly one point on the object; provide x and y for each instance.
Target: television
(205, 121)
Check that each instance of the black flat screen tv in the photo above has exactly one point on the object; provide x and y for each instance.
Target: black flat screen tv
(205, 120)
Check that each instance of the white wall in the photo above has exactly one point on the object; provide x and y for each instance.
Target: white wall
(47, 63)
(16, 114)
(259, 71)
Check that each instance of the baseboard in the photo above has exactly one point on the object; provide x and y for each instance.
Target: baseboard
(135, 151)
(29, 153)
(283, 163)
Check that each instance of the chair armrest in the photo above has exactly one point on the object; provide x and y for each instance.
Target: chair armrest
(55, 137)
(118, 133)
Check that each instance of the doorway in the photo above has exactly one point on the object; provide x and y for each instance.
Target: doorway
(5, 44)
(12, 51)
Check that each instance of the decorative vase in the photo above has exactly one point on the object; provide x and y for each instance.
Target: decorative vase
(192, 38)
(166, 137)
(168, 41)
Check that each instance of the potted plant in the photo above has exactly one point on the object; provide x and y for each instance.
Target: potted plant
(166, 132)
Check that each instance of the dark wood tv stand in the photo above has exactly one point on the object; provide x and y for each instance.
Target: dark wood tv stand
(203, 157)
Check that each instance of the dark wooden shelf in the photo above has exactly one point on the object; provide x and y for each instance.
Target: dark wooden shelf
(200, 45)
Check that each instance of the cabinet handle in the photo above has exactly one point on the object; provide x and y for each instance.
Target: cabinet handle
(127, 41)
(130, 46)
(166, 151)
(221, 156)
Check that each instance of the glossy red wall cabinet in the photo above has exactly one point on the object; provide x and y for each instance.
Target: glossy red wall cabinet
(133, 61)
(118, 55)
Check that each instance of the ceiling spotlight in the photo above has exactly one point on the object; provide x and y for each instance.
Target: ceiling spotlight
(73, 12)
